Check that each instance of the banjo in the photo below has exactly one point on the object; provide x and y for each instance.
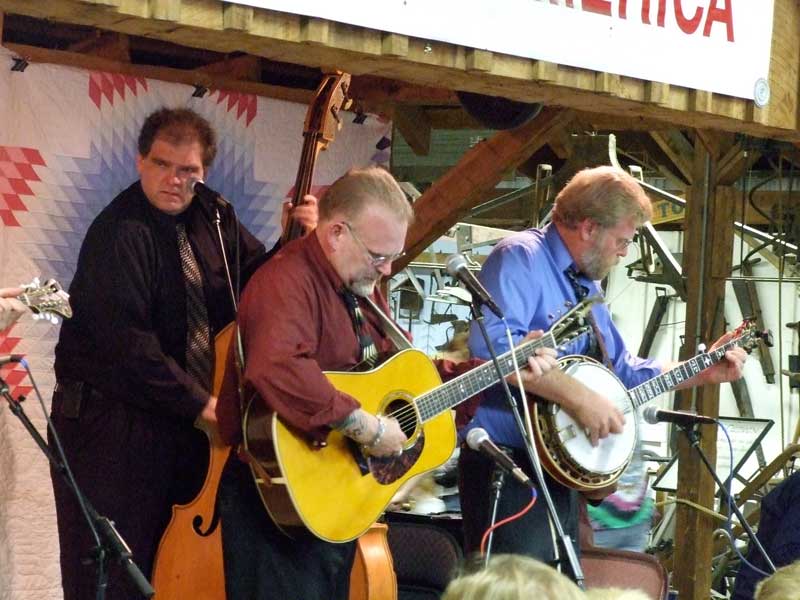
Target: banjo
(566, 451)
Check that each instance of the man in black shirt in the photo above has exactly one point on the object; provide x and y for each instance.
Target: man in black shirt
(126, 400)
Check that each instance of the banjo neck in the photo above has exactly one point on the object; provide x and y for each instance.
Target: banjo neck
(661, 384)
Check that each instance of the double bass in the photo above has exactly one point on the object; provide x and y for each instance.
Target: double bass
(189, 563)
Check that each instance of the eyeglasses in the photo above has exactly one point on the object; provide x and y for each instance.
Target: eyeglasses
(623, 243)
(376, 260)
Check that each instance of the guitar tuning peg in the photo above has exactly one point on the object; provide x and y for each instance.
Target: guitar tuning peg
(701, 348)
(53, 319)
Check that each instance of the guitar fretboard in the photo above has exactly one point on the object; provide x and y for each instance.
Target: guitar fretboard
(465, 386)
(643, 393)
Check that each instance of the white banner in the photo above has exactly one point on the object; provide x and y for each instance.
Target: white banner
(722, 46)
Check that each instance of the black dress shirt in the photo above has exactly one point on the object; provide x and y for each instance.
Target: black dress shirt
(128, 334)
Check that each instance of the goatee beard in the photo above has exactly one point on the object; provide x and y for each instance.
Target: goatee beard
(363, 287)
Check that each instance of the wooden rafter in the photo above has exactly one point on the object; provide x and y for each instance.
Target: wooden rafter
(245, 67)
(735, 162)
(461, 188)
(413, 124)
(678, 149)
(319, 43)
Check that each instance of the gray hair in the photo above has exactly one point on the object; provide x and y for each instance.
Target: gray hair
(353, 191)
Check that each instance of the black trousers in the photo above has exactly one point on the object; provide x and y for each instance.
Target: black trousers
(132, 466)
(261, 562)
(531, 533)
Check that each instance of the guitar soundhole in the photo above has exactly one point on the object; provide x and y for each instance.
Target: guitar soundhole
(405, 414)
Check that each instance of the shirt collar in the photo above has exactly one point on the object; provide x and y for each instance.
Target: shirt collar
(321, 262)
(558, 249)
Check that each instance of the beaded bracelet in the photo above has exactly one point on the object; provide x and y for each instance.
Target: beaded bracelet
(378, 434)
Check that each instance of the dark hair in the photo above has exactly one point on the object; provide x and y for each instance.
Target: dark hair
(178, 126)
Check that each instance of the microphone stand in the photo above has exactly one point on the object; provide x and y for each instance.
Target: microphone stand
(110, 543)
(498, 479)
(725, 495)
(564, 540)
(217, 221)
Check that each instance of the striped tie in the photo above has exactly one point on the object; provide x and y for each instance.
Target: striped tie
(369, 353)
(198, 338)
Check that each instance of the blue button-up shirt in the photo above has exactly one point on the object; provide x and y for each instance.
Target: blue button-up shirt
(525, 275)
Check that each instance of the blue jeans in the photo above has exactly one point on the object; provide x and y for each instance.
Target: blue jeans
(624, 538)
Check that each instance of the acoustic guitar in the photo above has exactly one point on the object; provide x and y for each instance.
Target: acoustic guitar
(337, 492)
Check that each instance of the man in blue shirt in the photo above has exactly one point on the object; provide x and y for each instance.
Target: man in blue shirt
(536, 276)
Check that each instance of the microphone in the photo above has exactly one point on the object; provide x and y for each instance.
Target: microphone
(652, 414)
(10, 358)
(198, 187)
(478, 440)
(457, 267)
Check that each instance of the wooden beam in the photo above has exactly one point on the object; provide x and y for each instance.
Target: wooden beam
(559, 144)
(481, 167)
(707, 261)
(313, 42)
(208, 80)
(413, 125)
(677, 149)
(245, 67)
(734, 163)
(713, 141)
(113, 46)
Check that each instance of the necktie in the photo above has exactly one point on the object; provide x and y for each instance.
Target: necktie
(198, 338)
(597, 346)
(369, 353)
(581, 291)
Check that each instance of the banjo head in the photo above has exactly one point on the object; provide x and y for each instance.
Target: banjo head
(614, 452)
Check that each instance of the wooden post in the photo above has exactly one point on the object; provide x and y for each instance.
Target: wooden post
(707, 250)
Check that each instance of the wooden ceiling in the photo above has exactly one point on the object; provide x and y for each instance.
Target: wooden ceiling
(212, 44)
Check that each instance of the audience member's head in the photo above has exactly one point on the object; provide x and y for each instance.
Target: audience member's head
(511, 577)
(615, 594)
(783, 584)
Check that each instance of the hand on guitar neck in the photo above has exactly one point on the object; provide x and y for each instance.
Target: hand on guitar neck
(208, 416)
(543, 361)
(11, 309)
(306, 214)
(730, 369)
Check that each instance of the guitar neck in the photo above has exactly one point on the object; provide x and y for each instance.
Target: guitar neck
(661, 384)
(454, 392)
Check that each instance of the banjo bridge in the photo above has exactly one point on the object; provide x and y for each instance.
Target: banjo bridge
(565, 434)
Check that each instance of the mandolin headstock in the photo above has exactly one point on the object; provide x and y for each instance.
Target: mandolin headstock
(46, 300)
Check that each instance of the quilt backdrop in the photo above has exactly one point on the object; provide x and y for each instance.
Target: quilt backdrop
(67, 147)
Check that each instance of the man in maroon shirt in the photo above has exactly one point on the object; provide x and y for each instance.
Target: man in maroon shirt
(297, 319)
